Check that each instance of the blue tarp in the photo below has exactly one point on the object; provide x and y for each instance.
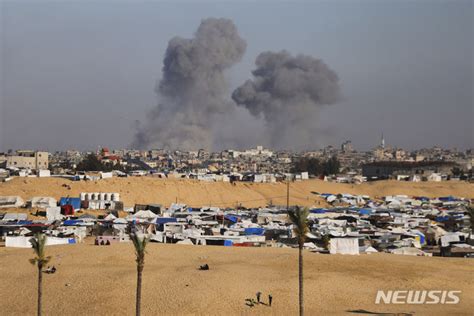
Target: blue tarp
(24, 222)
(422, 238)
(75, 202)
(365, 211)
(164, 220)
(448, 198)
(71, 241)
(233, 219)
(442, 218)
(254, 231)
(228, 243)
(318, 211)
(422, 198)
(72, 222)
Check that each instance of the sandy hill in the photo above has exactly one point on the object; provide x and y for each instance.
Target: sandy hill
(100, 280)
(196, 193)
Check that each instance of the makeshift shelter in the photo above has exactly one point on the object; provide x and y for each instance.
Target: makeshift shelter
(368, 250)
(344, 246)
(254, 231)
(53, 213)
(24, 242)
(43, 202)
(11, 202)
(110, 217)
(144, 215)
(15, 217)
(74, 202)
(409, 251)
(67, 210)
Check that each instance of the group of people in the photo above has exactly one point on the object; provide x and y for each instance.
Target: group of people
(50, 270)
(251, 302)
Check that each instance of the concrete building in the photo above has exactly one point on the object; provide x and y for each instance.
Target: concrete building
(387, 169)
(29, 159)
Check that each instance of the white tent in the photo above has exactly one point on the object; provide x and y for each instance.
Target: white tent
(24, 242)
(344, 246)
(53, 213)
(11, 201)
(110, 217)
(144, 214)
(43, 202)
(410, 251)
(185, 242)
(369, 250)
(15, 217)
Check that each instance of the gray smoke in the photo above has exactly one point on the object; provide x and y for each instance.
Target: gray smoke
(193, 89)
(288, 92)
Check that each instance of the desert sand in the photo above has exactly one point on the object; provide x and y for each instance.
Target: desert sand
(196, 193)
(100, 280)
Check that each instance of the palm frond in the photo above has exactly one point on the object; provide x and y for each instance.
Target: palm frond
(139, 244)
(39, 243)
(299, 219)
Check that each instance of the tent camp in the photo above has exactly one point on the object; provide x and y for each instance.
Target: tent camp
(344, 246)
(11, 201)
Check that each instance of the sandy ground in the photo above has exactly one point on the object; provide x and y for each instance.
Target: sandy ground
(102, 281)
(196, 193)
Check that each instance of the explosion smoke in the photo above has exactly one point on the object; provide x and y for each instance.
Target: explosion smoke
(288, 91)
(193, 89)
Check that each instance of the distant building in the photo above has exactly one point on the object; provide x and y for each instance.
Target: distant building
(29, 159)
(387, 169)
(347, 147)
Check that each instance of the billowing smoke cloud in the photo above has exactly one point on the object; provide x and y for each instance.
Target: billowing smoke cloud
(288, 91)
(193, 89)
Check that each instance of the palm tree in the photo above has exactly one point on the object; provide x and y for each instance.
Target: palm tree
(139, 243)
(299, 218)
(38, 243)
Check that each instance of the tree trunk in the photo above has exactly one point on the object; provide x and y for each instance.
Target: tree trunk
(139, 288)
(40, 292)
(300, 277)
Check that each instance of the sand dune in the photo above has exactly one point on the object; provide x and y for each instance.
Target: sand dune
(102, 281)
(195, 193)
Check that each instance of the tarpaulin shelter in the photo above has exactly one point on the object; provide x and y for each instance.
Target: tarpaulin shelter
(233, 219)
(365, 211)
(43, 202)
(254, 231)
(74, 202)
(344, 246)
(15, 217)
(72, 222)
(67, 210)
(11, 201)
(164, 220)
(318, 211)
(53, 213)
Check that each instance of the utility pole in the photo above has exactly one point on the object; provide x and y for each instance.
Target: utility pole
(287, 194)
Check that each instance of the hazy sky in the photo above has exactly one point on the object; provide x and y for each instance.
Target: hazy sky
(78, 74)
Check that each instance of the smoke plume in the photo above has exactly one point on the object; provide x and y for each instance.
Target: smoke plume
(288, 92)
(193, 89)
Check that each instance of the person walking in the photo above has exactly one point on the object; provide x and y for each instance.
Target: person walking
(258, 296)
(270, 299)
